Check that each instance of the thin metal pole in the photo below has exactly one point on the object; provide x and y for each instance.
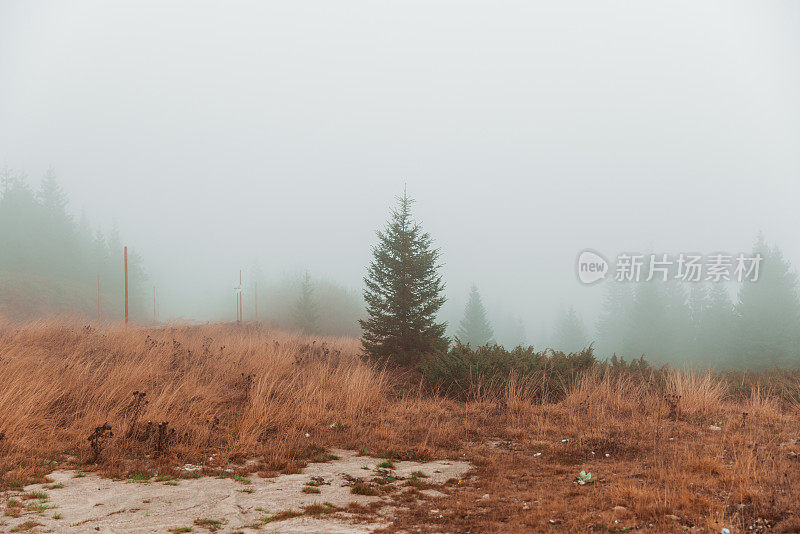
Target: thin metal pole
(126, 286)
(241, 300)
(99, 314)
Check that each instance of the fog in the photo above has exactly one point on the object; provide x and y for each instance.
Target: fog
(275, 136)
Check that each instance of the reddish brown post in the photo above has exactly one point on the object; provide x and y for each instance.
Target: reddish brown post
(99, 315)
(241, 299)
(126, 286)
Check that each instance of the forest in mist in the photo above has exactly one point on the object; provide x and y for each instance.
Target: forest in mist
(52, 262)
(271, 139)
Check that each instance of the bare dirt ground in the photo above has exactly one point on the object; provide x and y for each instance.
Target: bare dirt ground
(88, 503)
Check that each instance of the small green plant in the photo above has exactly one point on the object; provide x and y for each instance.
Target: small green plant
(418, 474)
(247, 490)
(178, 530)
(386, 464)
(316, 481)
(584, 478)
(138, 478)
(211, 524)
(53, 486)
(38, 506)
(36, 495)
(317, 509)
(362, 488)
(57, 516)
(327, 457)
(385, 477)
(241, 479)
(80, 474)
(170, 482)
(13, 507)
(27, 525)
(310, 489)
(282, 516)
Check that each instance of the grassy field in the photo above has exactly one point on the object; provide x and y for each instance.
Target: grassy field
(667, 450)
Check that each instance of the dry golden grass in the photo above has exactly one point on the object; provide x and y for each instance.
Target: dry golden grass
(277, 400)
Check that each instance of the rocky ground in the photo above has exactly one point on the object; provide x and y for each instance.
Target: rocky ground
(337, 496)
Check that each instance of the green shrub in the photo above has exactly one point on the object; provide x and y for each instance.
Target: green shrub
(463, 372)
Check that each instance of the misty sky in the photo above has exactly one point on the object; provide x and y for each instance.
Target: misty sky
(221, 133)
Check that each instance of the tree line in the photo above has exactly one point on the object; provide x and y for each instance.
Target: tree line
(50, 262)
(666, 322)
(698, 322)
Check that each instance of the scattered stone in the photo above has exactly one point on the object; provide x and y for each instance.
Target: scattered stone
(190, 467)
(433, 493)
(715, 428)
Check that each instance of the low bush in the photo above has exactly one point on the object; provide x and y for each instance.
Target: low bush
(465, 372)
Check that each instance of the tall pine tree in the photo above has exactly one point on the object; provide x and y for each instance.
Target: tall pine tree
(474, 328)
(403, 292)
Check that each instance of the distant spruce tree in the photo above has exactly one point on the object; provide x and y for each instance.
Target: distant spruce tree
(698, 306)
(647, 333)
(52, 197)
(474, 328)
(677, 320)
(305, 311)
(769, 313)
(511, 332)
(716, 339)
(570, 334)
(403, 292)
(612, 324)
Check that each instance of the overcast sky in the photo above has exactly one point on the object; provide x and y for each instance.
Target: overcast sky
(216, 133)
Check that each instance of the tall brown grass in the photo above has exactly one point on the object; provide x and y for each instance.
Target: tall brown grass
(236, 393)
